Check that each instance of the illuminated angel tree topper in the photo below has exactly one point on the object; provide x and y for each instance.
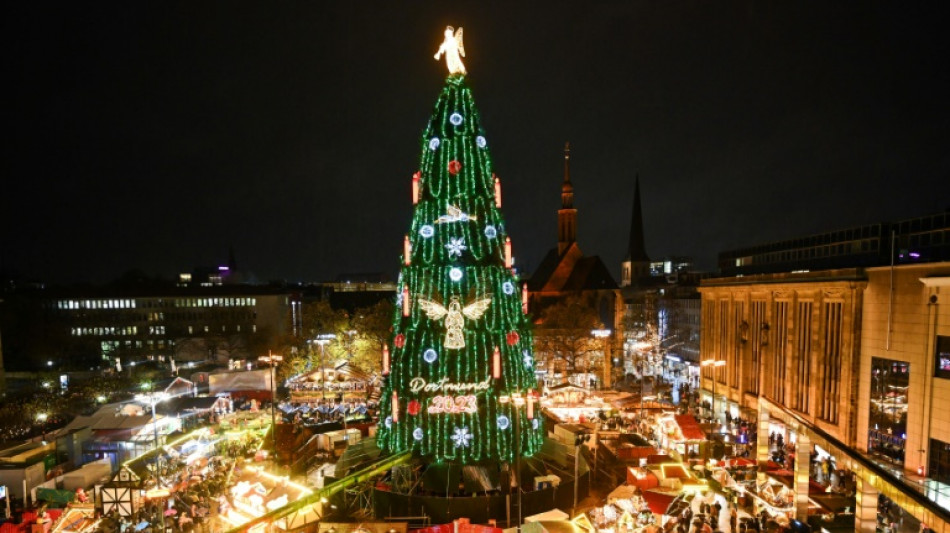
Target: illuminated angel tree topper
(461, 340)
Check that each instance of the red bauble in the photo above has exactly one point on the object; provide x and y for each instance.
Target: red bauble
(454, 167)
(400, 340)
(413, 407)
(513, 338)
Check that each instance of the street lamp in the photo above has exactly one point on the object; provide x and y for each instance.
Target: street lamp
(273, 360)
(714, 364)
(323, 340)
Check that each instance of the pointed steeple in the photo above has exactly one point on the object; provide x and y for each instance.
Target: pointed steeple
(567, 215)
(567, 189)
(637, 263)
(637, 249)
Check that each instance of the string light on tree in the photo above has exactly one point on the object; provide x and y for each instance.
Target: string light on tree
(458, 271)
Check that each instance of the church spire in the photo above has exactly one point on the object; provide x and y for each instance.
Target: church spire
(637, 250)
(567, 215)
(637, 263)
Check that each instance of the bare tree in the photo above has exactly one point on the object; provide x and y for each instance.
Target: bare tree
(564, 333)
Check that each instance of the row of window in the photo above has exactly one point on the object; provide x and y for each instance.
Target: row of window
(800, 254)
(109, 346)
(106, 330)
(152, 330)
(95, 304)
(177, 302)
(215, 302)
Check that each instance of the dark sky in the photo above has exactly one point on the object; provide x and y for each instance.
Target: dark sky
(155, 135)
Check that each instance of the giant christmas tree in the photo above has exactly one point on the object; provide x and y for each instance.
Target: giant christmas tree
(459, 368)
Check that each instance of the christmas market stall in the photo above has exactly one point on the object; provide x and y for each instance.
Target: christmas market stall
(568, 403)
(340, 382)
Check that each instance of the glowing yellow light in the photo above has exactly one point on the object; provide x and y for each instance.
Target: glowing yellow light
(453, 49)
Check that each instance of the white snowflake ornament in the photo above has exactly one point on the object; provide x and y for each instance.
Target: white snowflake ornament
(456, 247)
(462, 438)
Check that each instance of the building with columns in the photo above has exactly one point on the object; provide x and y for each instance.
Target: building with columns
(848, 363)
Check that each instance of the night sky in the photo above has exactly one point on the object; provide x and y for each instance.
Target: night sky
(155, 135)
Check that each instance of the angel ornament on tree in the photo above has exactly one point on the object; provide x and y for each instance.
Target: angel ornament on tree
(454, 337)
(453, 49)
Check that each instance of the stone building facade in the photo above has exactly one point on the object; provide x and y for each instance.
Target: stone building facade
(791, 338)
(850, 362)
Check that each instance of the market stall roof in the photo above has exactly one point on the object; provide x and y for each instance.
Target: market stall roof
(188, 403)
(461, 525)
(567, 387)
(690, 427)
(634, 403)
(343, 368)
(659, 500)
(738, 462)
(122, 422)
(623, 492)
(552, 526)
(553, 514)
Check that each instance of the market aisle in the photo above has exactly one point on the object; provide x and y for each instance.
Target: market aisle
(712, 498)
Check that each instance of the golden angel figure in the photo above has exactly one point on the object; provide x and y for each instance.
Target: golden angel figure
(453, 49)
(454, 338)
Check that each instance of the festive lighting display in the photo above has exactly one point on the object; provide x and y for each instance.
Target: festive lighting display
(458, 344)
(415, 187)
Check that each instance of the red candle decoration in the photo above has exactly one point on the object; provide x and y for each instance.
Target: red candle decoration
(385, 360)
(413, 407)
(405, 300)
(496, 364)
(400, 340)
(407, 251)
(395, 406)
(507, 252)
(513, 338)
(415, 187)
(454, 167)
